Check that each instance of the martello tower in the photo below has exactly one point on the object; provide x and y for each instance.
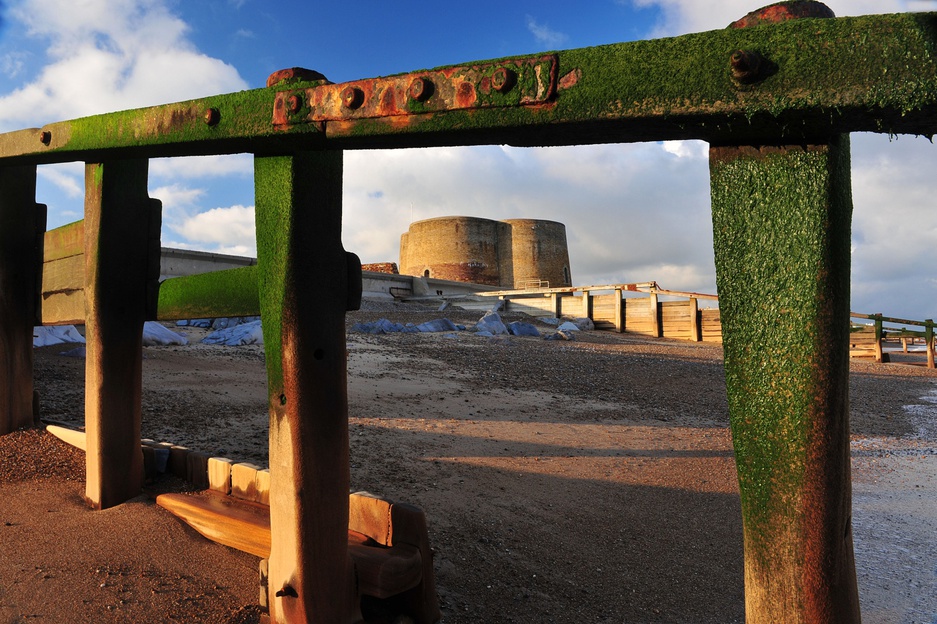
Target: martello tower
(482, 251)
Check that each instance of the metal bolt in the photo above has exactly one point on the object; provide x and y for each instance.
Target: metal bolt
(45, 137)
(746, 66)
(352, 97)
(420, 89)
(212, 116)
(503, 79)
(294, 103)
(286, 591)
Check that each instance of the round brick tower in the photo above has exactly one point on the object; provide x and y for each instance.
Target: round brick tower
(461, 249)
(539, 251)
(482, 251)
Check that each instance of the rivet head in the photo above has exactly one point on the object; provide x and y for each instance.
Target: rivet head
(503, 79)
(746, 66)
(420, 89)
(294, 103)
(45, 137)
(212, 116)
(352, 97)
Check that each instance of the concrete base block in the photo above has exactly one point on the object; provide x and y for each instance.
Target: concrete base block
(177, 461)
(244, 481)
(196, 469)
(219, 474)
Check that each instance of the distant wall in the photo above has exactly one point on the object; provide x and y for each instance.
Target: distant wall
(483, 251)
(178, 262)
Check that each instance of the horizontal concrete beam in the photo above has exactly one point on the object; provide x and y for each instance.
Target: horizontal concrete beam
(875, 73)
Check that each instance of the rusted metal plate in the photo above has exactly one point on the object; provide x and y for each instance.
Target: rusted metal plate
(511, 82)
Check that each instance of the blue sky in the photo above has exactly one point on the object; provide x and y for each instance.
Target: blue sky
(633, 212)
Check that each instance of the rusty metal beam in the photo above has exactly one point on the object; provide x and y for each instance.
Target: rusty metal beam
(792, 80)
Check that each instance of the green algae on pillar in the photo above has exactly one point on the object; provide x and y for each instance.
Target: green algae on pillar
(304, 290)
(781, 221)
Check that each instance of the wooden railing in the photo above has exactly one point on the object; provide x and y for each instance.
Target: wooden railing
(868, 340)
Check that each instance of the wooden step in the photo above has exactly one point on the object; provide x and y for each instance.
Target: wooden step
(383, 571)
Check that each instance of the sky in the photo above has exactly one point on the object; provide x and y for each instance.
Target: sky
(633, 212)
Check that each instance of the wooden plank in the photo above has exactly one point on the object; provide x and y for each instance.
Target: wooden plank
(382, 571)
(243, 526)
(76, 438)
(64, 308)
(65, 241)
(63, 275)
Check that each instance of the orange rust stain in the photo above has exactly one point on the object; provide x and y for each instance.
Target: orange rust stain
(570, 79)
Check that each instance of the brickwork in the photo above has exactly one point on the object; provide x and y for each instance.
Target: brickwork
(484, 251)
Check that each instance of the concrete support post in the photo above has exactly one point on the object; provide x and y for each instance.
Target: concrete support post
(304, 291)
(22, 222)
(781, 221)
(117, 223)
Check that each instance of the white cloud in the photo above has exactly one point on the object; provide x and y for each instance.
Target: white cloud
(67, 177)
(544, 34)
(687, 16)
(202, 166)
(220, 229)
(107, 55)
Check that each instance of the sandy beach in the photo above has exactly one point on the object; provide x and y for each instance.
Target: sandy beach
(583, 481)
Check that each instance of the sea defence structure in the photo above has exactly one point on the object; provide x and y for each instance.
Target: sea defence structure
(776, 95)
(482, 251)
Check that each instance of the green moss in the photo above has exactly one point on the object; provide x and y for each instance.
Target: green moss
(875, 73)
(222, 293)
(781, 223)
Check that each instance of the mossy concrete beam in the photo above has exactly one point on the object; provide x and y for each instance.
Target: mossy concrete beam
(874, 73)
(232, 292)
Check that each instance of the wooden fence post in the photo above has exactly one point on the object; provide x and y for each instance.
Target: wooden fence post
(781, 222)
(118, 220)
(22, 222)
(619, 311)
(695, 334)
(654, 308)
(929, 341)
(303, 275)
(879, 335)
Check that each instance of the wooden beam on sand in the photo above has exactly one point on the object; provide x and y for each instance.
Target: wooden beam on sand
(119, 223)
(305, 288)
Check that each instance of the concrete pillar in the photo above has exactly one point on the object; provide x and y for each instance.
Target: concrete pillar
(781, 221)
(118, 220)
(304, 292)
(22, 223)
